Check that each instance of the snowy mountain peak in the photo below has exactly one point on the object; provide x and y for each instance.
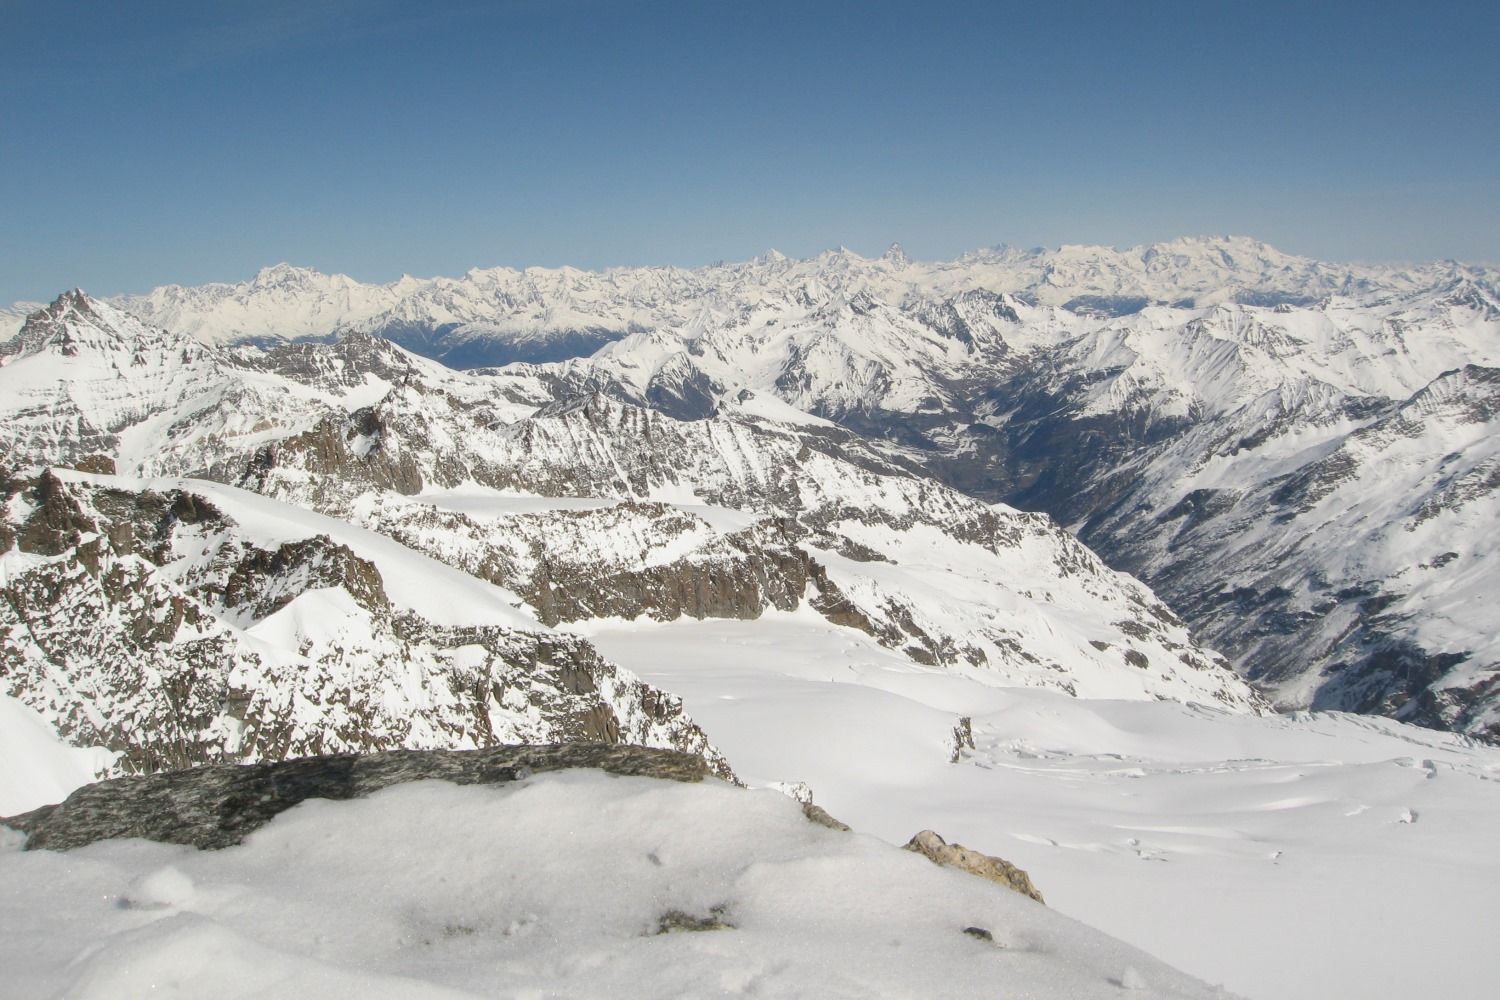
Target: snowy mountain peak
(76, 324)
(497, 315)
(49, 324)
(284, 274)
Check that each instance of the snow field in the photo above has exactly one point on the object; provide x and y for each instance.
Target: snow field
(557, 886)
(35, 766)
(1289, 857)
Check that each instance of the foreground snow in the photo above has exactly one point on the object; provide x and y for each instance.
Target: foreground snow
(555, 887)
(35, 766)
(1288, 857)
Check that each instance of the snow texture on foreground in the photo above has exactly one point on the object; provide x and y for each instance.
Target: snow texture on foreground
(556, 886)
(1299, 857)
(37, 768)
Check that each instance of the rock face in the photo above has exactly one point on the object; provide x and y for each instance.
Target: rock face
(997, 870)
(177, 628)
(216, 806)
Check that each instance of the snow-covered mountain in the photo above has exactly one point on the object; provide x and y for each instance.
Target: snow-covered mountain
(1182, 406)
(496, 315)
(179, 622)
(588, 507)
(737, 521)
(1109, 388)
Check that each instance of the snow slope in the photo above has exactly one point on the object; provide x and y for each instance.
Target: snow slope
(553, 886)
(35, 766)
(1289, 857)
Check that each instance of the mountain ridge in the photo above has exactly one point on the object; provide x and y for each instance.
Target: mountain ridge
(1176, 405)
(532, 305)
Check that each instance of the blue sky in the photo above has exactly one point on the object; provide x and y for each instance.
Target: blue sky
(153, 142)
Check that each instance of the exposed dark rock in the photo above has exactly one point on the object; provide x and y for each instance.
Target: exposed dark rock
(819, 815)
(217, 806)
(56, 521)
(315, 562)
(997, 870)
(740, 578)
(349, 450)
(676, 920)
(962, 738)
(101, 465)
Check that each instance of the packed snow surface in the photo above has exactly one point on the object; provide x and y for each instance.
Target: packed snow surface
(35, 766)
(1306, 856)
(562, 885)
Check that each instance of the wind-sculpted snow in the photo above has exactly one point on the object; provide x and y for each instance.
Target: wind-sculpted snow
(1296, 856)
(176, 623)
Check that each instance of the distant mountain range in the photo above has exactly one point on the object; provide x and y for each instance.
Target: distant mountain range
(1296, 455)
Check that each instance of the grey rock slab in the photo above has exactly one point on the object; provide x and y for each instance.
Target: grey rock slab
(218, 805)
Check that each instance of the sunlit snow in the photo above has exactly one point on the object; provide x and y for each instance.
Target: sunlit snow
(559, 886)
(1289, 857)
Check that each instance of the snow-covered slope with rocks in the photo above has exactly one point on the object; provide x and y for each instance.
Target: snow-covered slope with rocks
(176, 622)
(569, 884)
(1182, 406)
(1294, 856)
(724, 517)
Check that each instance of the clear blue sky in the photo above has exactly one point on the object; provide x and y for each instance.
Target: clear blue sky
(151, 142)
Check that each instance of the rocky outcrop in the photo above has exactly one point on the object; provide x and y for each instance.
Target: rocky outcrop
(997, 870)
(149, 623)
(817, 814)
(353, 450)
(218, 806)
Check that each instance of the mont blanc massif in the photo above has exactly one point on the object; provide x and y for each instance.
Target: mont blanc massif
(1166, 574)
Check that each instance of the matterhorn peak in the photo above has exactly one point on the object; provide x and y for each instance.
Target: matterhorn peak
(895, 255)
